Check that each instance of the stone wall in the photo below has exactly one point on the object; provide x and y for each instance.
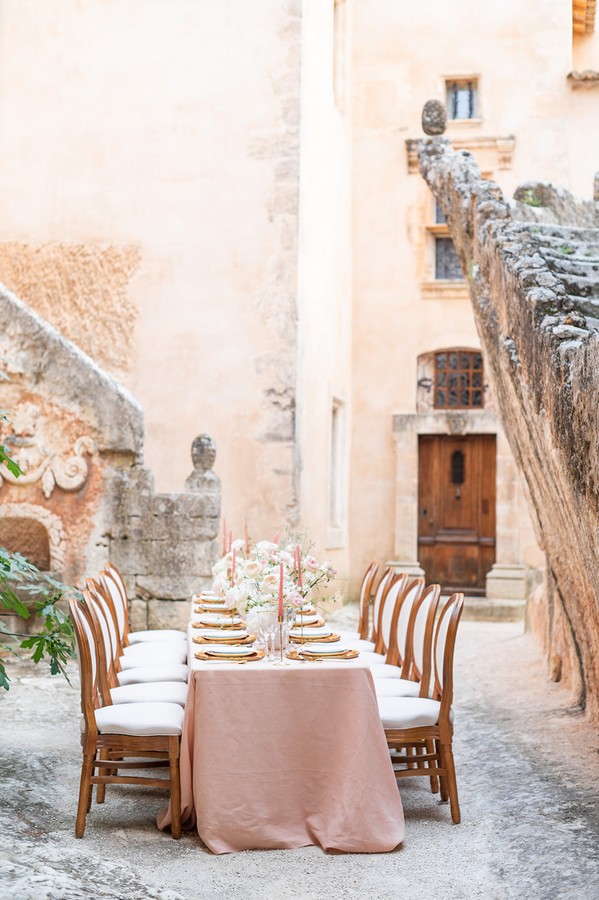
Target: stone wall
(534, 287)
(84, 497)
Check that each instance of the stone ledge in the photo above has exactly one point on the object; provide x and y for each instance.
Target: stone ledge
(481, 609)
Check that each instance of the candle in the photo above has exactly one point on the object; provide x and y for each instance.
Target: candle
(233, 569)
(280, 590)
(247, 540)
(224, 537)
(299, 567)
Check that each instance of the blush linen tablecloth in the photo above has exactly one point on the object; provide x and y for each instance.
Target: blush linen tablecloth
(287, 757)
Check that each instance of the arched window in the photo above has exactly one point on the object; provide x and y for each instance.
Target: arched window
(458, 380)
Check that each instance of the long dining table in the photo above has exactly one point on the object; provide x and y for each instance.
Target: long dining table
(285, 756)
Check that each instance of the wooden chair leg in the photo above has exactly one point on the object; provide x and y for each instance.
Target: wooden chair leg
(442, 778)
(430, 748)
(452, 785)
(101, 788)
(85, 793)
(173, 755)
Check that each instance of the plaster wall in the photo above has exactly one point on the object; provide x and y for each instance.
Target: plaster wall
(402, 54)
(169, 129)
(324, 285)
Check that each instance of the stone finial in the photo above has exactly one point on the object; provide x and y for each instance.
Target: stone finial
(203, 456)
(434, 117)
(203, 452)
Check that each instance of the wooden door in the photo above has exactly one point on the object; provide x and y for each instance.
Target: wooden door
(456, 514)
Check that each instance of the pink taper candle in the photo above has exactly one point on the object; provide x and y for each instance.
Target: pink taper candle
(281, 591)
(299, 568)
(224, 537)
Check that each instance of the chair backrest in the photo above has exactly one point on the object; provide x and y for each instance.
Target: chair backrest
(443, 652)
(401, 620)
(113, 590)
(104, 599)
(106, 660)
(417, 663)
(88, 661)
(365, 592)
(387, 612)
(383, 586)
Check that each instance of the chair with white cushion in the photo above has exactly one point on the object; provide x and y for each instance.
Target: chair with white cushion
(363, 631)
(362, 644)
(422, 728)
(391, 666)
(157, 663)
(112, 581)
(112, 735)
(415, 675)
(110, 690)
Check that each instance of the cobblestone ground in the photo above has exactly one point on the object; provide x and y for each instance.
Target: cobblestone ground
(528, 775)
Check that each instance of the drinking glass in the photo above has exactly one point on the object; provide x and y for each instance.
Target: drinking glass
(267, 623)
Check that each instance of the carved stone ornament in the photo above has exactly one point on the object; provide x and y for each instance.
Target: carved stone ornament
(51, 467)
(434, 117)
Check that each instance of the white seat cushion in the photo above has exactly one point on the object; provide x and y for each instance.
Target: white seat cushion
(408, 712)
(151, 692)
(150, 647)
(355, 641)
(385, 671)
(157, 634)
(371, 659)
(140, 719)
(145, 674)
(159, 657)
(396, 687)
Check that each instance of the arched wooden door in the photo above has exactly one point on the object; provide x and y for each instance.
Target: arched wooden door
(456, 509)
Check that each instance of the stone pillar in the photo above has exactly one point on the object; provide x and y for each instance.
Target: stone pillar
(507, 578)
(405, 545)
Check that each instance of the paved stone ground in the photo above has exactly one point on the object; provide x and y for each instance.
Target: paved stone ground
(528, 775)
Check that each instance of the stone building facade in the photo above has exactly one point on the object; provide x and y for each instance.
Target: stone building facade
(220, 204)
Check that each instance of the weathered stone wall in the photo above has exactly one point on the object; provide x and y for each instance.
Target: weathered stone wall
(535, 291)
(78, 437)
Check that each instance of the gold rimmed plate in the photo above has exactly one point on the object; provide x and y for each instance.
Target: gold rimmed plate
(223, 639)
(319, 657)
(317, 638)
(212, 657)
(212, 626)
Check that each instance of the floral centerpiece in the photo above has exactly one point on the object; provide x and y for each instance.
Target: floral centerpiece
(249, 576)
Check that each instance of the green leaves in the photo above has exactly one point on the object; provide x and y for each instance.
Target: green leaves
(55, 640)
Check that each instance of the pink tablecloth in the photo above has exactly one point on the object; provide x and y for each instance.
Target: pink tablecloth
(283, 758)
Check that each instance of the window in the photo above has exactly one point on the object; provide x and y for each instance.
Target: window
(462, 99)
(458, 380)
(339, 54)
(447, 263)
(337, 477)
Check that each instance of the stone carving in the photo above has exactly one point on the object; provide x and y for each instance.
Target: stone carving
(434, 117)
(203, 456)
(67, 470)
(535, 294)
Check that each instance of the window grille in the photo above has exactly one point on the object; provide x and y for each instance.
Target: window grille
(462, 99)
(447, 263)
(459, 380)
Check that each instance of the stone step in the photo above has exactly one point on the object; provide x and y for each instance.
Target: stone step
(481, 609)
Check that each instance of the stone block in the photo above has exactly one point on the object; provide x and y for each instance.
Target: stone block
(506, 582)
(138, 615)
(169, 587)
(168, 614)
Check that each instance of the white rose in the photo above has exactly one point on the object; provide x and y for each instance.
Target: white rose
(311, 563)
(238, 544)
(252, 569)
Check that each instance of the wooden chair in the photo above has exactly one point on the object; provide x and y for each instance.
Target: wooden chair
(113, 585)
(397, 612)
(144, 663)
(416, 661)
(150, 732)
(388, 579)
(365, 594)
(422, 727)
